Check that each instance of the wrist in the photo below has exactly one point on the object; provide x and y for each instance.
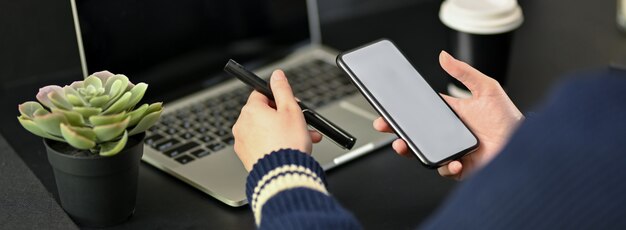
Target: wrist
(280, 171)
(281, 158)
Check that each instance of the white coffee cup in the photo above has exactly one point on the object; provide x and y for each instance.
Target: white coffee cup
(480, 34)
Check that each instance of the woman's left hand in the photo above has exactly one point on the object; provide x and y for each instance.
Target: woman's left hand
(264, 126)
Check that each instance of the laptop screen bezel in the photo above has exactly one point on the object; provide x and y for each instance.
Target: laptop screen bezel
(315, 35)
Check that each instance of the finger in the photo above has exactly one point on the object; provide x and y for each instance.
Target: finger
(470, 77)
(455, 167)
(382, 126)
(452, 170)
(256, 97)
(283, 96)
(400, 147)
(316, 137)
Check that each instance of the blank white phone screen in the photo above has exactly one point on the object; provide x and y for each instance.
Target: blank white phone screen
(421, 115)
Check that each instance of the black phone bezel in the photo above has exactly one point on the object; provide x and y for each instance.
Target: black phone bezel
(394, 125)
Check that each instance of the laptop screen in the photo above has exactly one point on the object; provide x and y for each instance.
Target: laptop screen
(176, 43)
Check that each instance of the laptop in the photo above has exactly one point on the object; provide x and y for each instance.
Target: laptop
(174, 45)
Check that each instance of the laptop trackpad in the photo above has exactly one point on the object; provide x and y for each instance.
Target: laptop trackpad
(355, 116)
(357, 104)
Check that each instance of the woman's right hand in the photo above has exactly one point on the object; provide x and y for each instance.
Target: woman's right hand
(489, 113)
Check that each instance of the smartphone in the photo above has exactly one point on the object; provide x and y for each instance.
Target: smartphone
(417, 114)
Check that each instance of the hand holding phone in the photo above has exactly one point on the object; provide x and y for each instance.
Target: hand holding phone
(489, 112)
(407, 102)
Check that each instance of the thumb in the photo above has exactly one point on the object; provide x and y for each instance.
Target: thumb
(473, 79)
(451, 170)
(283, 95)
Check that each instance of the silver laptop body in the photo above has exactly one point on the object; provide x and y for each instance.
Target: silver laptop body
(220, 173)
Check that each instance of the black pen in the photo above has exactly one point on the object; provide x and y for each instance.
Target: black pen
(315, 120)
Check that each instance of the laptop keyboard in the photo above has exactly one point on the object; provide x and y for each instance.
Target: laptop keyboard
(201, 129)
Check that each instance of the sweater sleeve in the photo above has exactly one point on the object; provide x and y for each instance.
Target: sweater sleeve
(562, 169)
(286, 189)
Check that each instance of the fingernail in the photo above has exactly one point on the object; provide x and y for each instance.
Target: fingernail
(277, 75)
(444, 56)
(450, 56)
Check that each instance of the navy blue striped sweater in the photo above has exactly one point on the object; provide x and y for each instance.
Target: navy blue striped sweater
(563, 169)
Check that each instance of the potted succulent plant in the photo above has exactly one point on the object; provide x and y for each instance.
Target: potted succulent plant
(93, 131)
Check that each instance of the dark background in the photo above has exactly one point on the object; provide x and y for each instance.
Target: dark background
(37, 43)
(38, 46)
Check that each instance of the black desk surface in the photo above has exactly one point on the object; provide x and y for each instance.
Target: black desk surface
(385, 191)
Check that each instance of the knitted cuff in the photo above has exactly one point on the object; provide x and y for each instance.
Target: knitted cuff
(279, 171)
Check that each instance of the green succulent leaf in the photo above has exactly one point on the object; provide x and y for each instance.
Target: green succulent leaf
(70, 90)
(137, 114)
(137, 93)
(86, 132)
(73, 96)
(112, 148)
(146, 122)
(117, 90)
(77, 85)
(119, 105)
(154, 107)
(75, 100)
(99, 120)
(50, 123)
(59, 100)
(27, 109)
(78, 137)
(99, 101)
(103, 75)
(74, 118)
(87, 111)
(88, 91)
(124, 82)
(42, 95)
(93, 81)
(111, 131)
(41, 112)
(32, 127)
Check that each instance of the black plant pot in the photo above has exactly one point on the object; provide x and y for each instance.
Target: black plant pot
(97, 191)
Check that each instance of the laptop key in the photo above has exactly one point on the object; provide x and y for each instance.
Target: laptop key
(199, 153)
(222, 132)
(153, 139)
(231, 118)
(217, 123)
(229, 125)
(186, 124)
(180, 149)
(216, 146)
(203, 130)
(171, 131)
(184, 159)
(207, 139)
(154, 128)
(187, 135)
(229, 140)
(166, 144)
